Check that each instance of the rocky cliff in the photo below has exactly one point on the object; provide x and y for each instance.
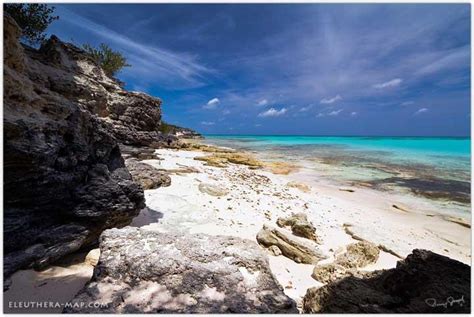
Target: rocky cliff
(65, 179)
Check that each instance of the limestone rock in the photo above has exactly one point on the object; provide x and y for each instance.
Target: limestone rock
(92, 258)
(425, 282)
(358, 255)
(212, 190)
(64, 178)
(303, 187)
(145, 271)
(146, 175)
(329, 272)
(300, 226)
(298, 252)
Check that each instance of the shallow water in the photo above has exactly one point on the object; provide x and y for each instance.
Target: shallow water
(435, 168)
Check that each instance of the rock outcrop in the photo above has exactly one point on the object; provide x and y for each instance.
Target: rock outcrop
(425, 282)
(146, 175)
(65, 180)
(358, 255)
(145, 271)
(292, 249)
(300, 226)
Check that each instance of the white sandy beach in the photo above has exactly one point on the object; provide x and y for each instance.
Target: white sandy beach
(252, 198)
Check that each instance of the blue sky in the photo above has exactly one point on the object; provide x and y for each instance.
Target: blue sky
(313, 69)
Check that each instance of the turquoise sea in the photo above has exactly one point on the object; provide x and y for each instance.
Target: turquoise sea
(437, 168)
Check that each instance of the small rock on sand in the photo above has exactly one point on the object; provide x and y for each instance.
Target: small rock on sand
(300, 226)
(400, 207)
(303, 187)
(212, 190)
(346, 189)
(296, 251)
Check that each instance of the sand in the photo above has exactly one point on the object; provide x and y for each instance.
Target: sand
(258, 197)
(252, 198)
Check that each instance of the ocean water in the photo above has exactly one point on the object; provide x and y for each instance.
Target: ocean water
(436, 168)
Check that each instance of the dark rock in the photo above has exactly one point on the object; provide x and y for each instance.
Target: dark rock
(64, 178)
(146, 175)
(425, 282)
(145, 271)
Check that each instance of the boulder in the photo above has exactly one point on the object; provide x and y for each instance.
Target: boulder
(146, 175)
(300, 226)
(297, 251)
(64, 178)
(425, 282)
(143, 271)
(358, 255)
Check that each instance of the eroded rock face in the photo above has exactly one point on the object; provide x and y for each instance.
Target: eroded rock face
(357, 255)
(300, 226)
(292, 249)
(146, 175)
(65, 180)
(425, 282)
(145, 271)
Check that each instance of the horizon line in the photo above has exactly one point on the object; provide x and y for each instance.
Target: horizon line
(342, 136)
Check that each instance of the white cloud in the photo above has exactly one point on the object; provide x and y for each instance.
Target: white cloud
(391, 83)
(335, 112)
(272, 112)
(331, 100)
(258, 125)
(420, 111)
(262, 103)
(320, 115)
(212, 104)
(353, 113)
(208, 123)
(407, 103)
(226, 112)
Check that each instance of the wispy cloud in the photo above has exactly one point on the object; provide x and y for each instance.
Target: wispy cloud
(354, 113)
(212, 104)
(262, 103)
(407, 103)
(207, 123)
(307, 108)
(391, 83)
(335, 112)
(331, 100)
(170, 68)
(272, 112)
(420, 111)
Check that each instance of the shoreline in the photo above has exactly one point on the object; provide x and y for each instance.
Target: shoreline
(239, 199)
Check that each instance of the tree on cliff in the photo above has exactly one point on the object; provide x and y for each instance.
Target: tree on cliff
(32, 18)
(110, 60)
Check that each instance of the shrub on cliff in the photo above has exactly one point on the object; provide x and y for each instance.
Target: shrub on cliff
(110, 60)
(32, 18)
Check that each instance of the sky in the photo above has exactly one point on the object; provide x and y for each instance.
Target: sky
(299, 69)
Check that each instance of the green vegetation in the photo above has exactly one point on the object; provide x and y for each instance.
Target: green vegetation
(167, 128)
(110, 60)
(33, 19)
